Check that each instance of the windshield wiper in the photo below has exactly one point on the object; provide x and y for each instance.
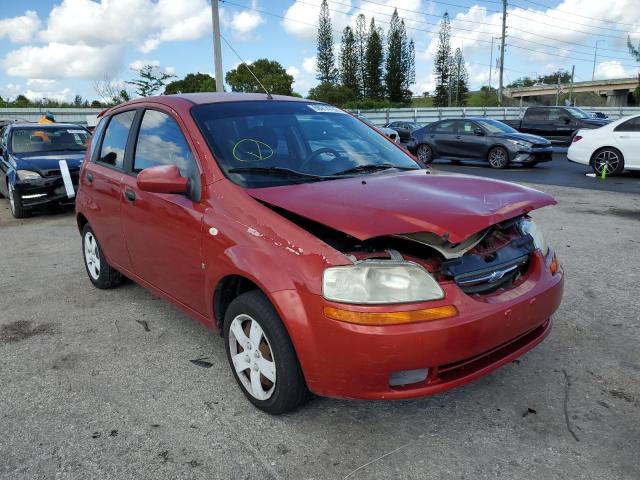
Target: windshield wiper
(372, 167)
(279, 171)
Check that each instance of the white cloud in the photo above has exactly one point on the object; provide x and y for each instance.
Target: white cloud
(301, 19)
(426, 85)
(39, 88)
(309, 64)
(613, 69)
(243, 23)
(301, 80)
(20, 29)
(59, 60)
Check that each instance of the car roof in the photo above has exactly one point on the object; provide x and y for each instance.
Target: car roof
(45, 125)
(202, 98)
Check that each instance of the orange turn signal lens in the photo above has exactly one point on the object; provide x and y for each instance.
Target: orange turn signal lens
(555, 265)
(390, 318)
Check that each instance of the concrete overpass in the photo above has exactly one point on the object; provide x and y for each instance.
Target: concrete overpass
(616, 90)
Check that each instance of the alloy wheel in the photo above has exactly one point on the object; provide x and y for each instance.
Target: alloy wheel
(252, 357)
(607, 160)
(92, 255)
(424, 153)
(497, 158)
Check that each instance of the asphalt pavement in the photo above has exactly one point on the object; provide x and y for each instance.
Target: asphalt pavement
(103, 384)
(558, 172)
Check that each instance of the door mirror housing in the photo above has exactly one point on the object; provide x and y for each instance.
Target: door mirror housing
(162, 179)
(478, 131)
(566, 119)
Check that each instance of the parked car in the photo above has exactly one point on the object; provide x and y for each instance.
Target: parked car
(557, 124)
(404, 129)
(614, 147)
(389, 132)
(342, 267)
(35, 160)
(480, 140)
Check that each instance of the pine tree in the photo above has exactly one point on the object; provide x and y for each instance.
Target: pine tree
(374, 59)
(325, 62)
(442, 63)
(459, 80)
(361, 47)
(400, 66)
(349, 61)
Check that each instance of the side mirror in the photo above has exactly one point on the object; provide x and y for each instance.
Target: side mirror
(478, 131)
(162, 179)
(566, 119)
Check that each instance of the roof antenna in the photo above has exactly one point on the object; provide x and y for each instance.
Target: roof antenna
(247, 65)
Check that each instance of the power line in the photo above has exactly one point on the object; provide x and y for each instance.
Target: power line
(577, 14)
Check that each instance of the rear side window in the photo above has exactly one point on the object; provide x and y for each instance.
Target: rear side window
(445, 127)
(537, 114)
(95, 138)
(632, 125)
(115, 139)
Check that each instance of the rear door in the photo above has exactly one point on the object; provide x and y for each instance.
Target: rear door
(443, 138)
(627, 136)
(164, 231)
(100, 184)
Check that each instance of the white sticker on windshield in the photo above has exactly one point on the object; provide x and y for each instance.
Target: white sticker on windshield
(76, 131)
(320, 108)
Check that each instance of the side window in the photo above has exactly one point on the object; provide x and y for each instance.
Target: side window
(445, 127)
(632, 125)
(115, 139)
(161, 142)
(537, 114)
(3, 137)
(95, 138)
(557, 114)
(466, 127)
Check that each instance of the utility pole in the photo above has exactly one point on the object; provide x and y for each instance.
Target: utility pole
(595, 56)
(558, 90)
(450, 82)
(504, 32)
(573, 71)
(458, 81)
(217, 48)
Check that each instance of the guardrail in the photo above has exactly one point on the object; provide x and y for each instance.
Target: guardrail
(62, 115)
(428, 115)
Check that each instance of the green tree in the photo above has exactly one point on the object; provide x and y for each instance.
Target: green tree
(325, 61)
(272, 75)
(326, 92)
(192, 82)
(442, 63)
(459, 80)
(361, 48)
(374, 59)
(96, 104)
(349, 62)
(22, 101)
(634, 51)
(78, 101)
(150, 80)
(400, 66)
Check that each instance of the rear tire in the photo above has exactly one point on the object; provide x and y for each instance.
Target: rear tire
(261, 355)
(498, 157)
(15, 204)
(608, 157)
(101, 274)
(424, 153)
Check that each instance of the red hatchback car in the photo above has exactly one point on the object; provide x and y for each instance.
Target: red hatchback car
(330, 260)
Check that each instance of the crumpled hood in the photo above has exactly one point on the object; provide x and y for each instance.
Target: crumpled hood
(449, 205)
(42, 163)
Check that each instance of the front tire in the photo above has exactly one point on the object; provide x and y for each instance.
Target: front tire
(498, 157)
(608, 158)
(15, 204)
(424, 153)
(101, 274)
(261, 355)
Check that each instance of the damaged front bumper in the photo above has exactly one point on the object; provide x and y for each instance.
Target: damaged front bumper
(356, 361)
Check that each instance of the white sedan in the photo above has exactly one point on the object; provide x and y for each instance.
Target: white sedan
(614, 147)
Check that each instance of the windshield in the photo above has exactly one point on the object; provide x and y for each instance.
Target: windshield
(493, 126)
(268, 143)
(578, 113)
(48, 139)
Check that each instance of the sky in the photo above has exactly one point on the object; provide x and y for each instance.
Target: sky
(59, 48)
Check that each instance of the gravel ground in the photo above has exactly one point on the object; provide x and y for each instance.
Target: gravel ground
(100, 384)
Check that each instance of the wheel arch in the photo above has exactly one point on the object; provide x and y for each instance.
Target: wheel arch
(81, 220)
(510, 154)
(228, 289)
(604, 147)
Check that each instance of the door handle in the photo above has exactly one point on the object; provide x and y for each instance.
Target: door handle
(623, 136)
(130, 194)
(89, 177)
(458, 137)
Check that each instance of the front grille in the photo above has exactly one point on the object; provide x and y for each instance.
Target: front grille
(491, 279)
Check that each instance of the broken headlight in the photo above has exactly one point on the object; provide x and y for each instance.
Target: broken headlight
(380, 282)
(528, 227)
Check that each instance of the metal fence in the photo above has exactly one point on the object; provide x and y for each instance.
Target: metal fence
(428, 115)
(62, 115)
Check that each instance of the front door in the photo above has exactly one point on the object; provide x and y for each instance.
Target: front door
(164, 231)
(627, 137)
